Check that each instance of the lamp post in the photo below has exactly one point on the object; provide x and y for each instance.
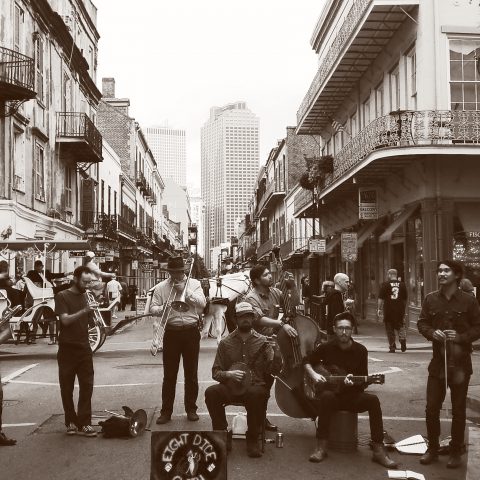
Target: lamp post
(313, 258)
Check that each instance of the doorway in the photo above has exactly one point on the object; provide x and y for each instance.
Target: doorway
(398, 260)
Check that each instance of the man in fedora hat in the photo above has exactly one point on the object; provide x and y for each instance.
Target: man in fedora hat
(182, 337)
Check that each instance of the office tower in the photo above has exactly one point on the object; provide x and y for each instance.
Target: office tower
(168, 147)
(230, 161)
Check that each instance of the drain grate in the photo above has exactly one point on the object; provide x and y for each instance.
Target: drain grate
(11, 403)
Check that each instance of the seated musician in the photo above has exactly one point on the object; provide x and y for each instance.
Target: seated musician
(249, 347)
(351, 357)
(39, 276)
(267, 301)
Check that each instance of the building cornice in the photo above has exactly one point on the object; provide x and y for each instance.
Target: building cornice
(324, 23)
(86, 16)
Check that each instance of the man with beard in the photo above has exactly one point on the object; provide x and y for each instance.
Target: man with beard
(450, 319)
(267, 301)
(352, 358)
(74, 356)
(252, 349)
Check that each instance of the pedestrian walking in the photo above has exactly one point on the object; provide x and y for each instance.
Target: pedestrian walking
(392, 300)
(75, 358)
(450, 319)
(306, 294)
(4, 440)
(123, 294)
(114, 289)
(97, 285)
(181, 339)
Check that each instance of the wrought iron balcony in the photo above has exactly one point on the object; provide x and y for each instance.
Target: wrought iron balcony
(264, 248)
(442, 128)
(274, 191)
(17, 77)
(141, 182)
(126, 227)
(144, 237)
(79, 137)
(302, 199)
(99, 225)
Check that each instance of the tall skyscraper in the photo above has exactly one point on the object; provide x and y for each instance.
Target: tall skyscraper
(169, 150)
(230, 162)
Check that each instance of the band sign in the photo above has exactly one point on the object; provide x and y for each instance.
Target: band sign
(349, 247)
(317, 245)
(189, 455)
(367, 203)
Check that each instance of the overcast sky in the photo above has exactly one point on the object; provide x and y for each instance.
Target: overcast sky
(176, 59)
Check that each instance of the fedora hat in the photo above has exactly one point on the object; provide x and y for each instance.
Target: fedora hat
(176, 264)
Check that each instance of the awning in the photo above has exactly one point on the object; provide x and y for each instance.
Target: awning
(332, 244)
(51, 245)
(366, 232)
(387, 235)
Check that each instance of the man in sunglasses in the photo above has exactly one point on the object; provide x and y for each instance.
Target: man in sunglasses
(352, 358)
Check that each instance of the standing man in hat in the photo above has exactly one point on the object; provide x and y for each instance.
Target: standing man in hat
(96, 286)
(392, 300)
(181, 339)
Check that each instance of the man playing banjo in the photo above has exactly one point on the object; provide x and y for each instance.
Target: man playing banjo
(243, 360)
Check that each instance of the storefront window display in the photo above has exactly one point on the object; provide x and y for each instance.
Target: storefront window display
(415, 277)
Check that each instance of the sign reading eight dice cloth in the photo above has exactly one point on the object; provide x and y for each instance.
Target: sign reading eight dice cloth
(188, 455)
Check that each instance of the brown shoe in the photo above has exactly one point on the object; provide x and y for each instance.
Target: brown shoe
(320, 452)
(193, 417)
(269, 426)
(163, 418)
(430, 456)
(380, 456)
(5, 441)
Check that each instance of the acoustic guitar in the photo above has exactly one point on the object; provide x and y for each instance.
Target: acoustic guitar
(335, 377)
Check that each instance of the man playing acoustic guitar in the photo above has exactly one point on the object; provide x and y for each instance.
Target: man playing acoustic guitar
(352, 358)
(243, 360)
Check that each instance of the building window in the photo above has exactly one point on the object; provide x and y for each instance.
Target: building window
(465, 74)
(379, 101)
(19, 18)
(109, 199)
(412, 79)
(39, 172)
(102, 197)
(394, 90)
(366, 112)
(68, 187)
(19, 161)
(39, 61)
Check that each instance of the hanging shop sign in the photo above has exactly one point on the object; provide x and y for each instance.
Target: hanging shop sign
(317, 245)
(134, 264)
(367, 203)
(76, 253)
(349, 246)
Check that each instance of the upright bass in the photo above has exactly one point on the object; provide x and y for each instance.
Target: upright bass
(289, 384)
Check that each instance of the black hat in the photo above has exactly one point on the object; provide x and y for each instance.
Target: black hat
(176, 264)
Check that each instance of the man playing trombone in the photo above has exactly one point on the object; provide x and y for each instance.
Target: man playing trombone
(178, 300)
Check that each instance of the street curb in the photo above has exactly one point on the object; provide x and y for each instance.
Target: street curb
(473, 404)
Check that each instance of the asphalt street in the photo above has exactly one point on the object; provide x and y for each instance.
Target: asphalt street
(127, 374)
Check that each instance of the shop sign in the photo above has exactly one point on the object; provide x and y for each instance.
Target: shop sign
(349, 247)
(134, 264)
(317, 245)
(76, 253)
(109, 258)
(140, 304)
(155, 263)
(367, 203)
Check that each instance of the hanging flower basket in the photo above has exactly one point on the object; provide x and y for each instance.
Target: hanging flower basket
(317, 170)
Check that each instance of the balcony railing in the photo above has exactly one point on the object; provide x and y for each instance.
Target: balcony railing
(272, 188)
(17, 77)
(349, 25)
(77, 131)
(99, 224)
(143, 237)
(302, 199)
(408, 129)
(264, 248)
(126, 227)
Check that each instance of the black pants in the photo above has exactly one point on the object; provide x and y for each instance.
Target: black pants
(180, 343)
(76, 361)
(329, 402)
(255, 400)
(435, 398)
(393, 325)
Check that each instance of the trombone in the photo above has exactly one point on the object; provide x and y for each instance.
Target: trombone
(97, 316)
(179, 305)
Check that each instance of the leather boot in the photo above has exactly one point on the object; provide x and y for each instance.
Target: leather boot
(430, 456)
(380, 456)
(253, 449)
(320, 452)
(269, 426)
(403, 345)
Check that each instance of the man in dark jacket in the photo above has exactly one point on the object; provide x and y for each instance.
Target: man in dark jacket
(450, 319)
(334, 300)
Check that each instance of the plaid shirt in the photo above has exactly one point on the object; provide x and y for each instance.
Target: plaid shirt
(265, 305)
(462, 314)
(233, 349)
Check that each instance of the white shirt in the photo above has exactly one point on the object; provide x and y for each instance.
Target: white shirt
(114, 287)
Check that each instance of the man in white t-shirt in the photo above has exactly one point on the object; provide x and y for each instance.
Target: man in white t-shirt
(114, 291)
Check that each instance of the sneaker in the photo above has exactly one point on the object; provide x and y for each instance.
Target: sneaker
(5, 441)
(71, 429)
(87, 431)
(403, 345)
